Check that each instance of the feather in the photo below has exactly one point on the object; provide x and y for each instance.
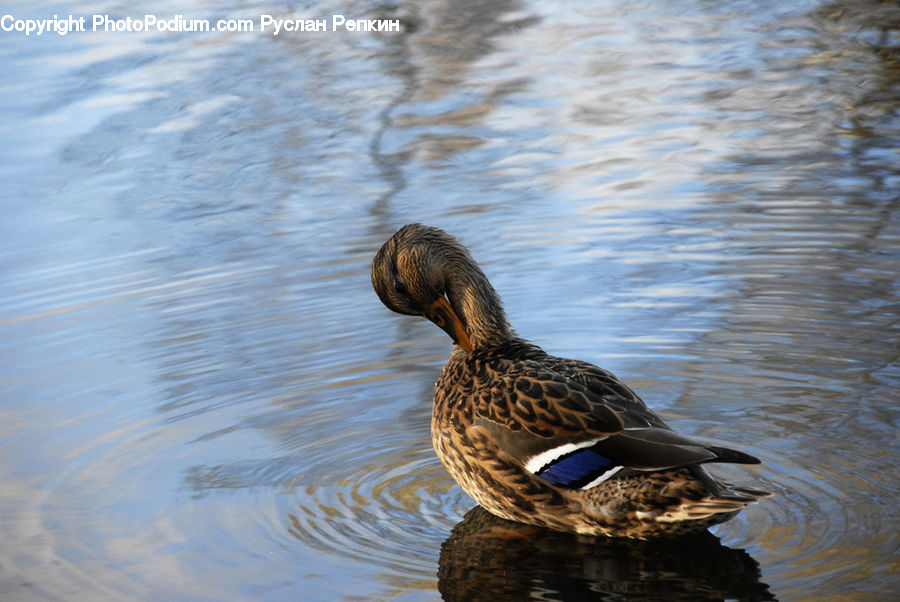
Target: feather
(577, 469)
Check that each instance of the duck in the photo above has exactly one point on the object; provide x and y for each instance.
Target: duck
(544, 440)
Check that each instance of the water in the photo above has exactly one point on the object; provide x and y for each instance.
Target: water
(202, 398)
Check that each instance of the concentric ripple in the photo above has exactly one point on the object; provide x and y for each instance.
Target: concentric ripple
(809, 524)
(394, 511)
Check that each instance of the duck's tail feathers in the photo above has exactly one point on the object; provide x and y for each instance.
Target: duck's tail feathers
(715, 508)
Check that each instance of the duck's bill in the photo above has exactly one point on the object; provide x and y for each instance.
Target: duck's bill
(443, 315)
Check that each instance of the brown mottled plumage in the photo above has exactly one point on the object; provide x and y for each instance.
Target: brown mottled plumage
(540, 439)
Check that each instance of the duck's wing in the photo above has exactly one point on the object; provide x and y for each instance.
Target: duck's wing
(607, 390)
(575, 425)
(529, 397)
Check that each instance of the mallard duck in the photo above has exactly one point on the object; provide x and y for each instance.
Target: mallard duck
(539, 439)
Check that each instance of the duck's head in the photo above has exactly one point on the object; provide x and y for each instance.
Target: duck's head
(424, 271)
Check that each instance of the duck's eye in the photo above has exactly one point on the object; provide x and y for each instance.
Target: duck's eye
(400, 288)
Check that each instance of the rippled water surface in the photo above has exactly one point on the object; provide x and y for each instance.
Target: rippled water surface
(201, 397)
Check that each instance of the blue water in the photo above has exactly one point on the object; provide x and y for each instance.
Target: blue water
(202, 398)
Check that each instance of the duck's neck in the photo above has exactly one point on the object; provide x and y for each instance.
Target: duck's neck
(477, 304)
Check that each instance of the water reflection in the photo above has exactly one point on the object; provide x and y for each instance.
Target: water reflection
(488, 558)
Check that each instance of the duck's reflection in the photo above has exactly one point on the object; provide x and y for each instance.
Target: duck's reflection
(488, 558)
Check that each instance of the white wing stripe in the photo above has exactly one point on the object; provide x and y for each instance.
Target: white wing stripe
(603, 477)
(536, 462)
